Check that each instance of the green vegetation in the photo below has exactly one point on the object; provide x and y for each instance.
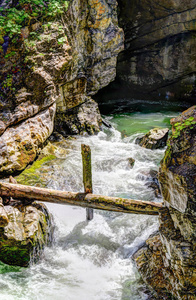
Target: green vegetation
(180, 126)
(27, 11)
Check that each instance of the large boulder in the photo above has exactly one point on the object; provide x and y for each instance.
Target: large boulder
(178, 169)
(149, 260)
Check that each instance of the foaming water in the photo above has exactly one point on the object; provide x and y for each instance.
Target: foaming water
(92, 260)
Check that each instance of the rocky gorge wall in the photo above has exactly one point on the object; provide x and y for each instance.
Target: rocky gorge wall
(159, 59)
(51, 73)
(160, 43)
(167, 262)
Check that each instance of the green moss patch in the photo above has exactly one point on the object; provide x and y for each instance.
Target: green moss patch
(14, 255)
(29, 176)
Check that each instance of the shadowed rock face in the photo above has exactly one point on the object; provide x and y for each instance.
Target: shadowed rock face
(174, 248)
(84, 118)
(159, 60)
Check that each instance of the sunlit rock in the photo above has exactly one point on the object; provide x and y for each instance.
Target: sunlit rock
(19, 145)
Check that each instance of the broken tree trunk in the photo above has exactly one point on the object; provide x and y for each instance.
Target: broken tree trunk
(18, 191)
(87, 176)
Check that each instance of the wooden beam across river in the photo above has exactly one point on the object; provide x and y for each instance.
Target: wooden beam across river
(18, 191)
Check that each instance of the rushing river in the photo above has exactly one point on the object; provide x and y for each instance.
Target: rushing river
(92, 260)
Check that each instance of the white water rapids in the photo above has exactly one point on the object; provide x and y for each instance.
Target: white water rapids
(92, 260)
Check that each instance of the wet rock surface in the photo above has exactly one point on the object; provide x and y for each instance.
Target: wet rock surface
(170, 256)
(152, 181)
(156, 138)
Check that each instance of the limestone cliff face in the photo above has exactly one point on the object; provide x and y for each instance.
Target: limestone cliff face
(53, 70)
(159, 60)
(95, 40)
(168, 261)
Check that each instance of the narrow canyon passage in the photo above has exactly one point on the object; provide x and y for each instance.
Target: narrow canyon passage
(93, 260)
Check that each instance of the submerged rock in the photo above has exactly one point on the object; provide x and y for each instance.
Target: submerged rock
(27, 231)
(173, 261)
(156, 138)
(131, 162)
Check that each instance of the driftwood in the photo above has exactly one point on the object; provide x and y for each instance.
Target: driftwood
(18, 191)
(87, 176)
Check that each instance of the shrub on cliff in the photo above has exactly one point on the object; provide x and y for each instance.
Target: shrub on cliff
(24, 12)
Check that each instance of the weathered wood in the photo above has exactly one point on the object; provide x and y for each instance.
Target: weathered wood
(87, 173)
(18, 191)
(87, 176)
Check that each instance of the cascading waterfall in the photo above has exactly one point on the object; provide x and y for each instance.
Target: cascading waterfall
(92, 260)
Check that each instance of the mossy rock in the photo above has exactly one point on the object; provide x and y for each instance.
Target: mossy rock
(30, 176)
(29, 229)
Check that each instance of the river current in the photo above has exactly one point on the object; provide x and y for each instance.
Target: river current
(92, 260)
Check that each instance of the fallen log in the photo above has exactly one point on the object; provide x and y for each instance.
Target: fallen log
(18, 191)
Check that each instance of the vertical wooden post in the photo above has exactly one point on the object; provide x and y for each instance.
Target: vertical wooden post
(87, 176)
